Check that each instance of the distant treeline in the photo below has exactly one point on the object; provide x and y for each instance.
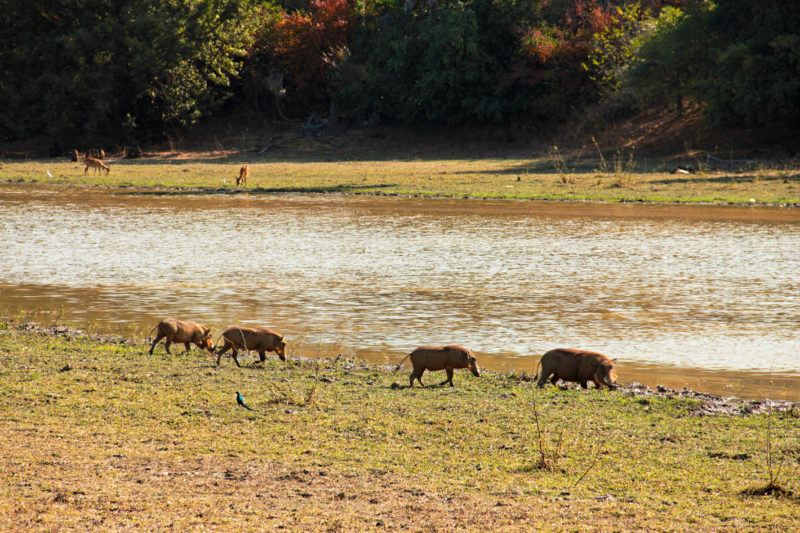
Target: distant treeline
(142, 69)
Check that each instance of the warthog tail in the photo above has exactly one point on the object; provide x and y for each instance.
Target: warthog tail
(150, 334)
(536, 370)
(216, 343)
(401, 362)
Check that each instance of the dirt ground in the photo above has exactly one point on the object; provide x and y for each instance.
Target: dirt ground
(652, 134)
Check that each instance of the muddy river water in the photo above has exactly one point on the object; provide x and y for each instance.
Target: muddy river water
(705, 297)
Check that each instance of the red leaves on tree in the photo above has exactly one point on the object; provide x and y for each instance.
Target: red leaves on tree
(302, 43)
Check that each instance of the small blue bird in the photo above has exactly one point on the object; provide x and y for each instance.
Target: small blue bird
(240, 401)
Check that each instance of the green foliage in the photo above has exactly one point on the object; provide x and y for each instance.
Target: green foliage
(755, 75)
(741, 58)
(123, 68)
(612, 47)
(668, 58)
(446, 64)
(89, 69)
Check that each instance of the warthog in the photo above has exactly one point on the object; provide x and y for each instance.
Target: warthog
(180, 331)
(262, 340)
(580, 366)
(434, 358)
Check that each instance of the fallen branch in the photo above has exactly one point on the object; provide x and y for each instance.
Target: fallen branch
(271, 143)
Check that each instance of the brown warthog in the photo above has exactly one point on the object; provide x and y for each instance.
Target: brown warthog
(434, 358)
(262, 340)
(180, 331)
(580, 366)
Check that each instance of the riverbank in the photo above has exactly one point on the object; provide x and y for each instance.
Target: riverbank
(98, 434)
(541, 176)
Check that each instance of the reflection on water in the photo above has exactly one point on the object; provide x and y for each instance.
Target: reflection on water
(708, 288)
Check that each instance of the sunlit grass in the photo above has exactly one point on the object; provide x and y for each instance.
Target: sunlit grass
(122, 439)
(550, 177)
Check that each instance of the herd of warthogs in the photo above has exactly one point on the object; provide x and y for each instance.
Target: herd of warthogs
(578, 366)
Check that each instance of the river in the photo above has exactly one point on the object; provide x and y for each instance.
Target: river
(700, 296)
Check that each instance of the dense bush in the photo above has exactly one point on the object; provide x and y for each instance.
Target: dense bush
(553, 68)
(300, 46)
(116, 68)
(741, 58)
(754, 74)
(82, 69)
(443, 62)
(422, 68)
(491, 61)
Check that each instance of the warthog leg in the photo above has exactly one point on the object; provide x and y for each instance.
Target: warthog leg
(158, 338)
(449, 377)
(235, 354)
(222, 350)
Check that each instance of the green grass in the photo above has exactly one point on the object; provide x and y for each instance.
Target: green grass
(541, 178)
(127, 440)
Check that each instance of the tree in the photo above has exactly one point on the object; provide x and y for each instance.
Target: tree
(301, 46)
(128, 68)
(443, 62)
(669, 57)
(741, 58)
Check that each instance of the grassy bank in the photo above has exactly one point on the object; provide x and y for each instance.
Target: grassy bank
(548, 177)
(102, 436)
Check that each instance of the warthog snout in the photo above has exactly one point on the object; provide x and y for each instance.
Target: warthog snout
(611, 380)
(473, 366)
(280, 350)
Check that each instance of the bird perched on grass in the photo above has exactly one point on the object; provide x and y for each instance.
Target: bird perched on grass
(240, 401)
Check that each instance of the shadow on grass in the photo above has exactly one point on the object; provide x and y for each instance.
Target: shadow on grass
(743, 178)
(352, 150)
(543, 165)
(772, 489)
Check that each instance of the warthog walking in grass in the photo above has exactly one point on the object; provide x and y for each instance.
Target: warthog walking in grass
(433, 358)
(181, 331)
(579, 366)
(262, 340)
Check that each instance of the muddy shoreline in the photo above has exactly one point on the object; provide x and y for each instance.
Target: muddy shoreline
(167, 191)
(707, 404)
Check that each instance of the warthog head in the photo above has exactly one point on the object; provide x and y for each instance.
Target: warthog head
(607, 376)
(280, 349)
(206, 340)
(472, 364)
(463, 358)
